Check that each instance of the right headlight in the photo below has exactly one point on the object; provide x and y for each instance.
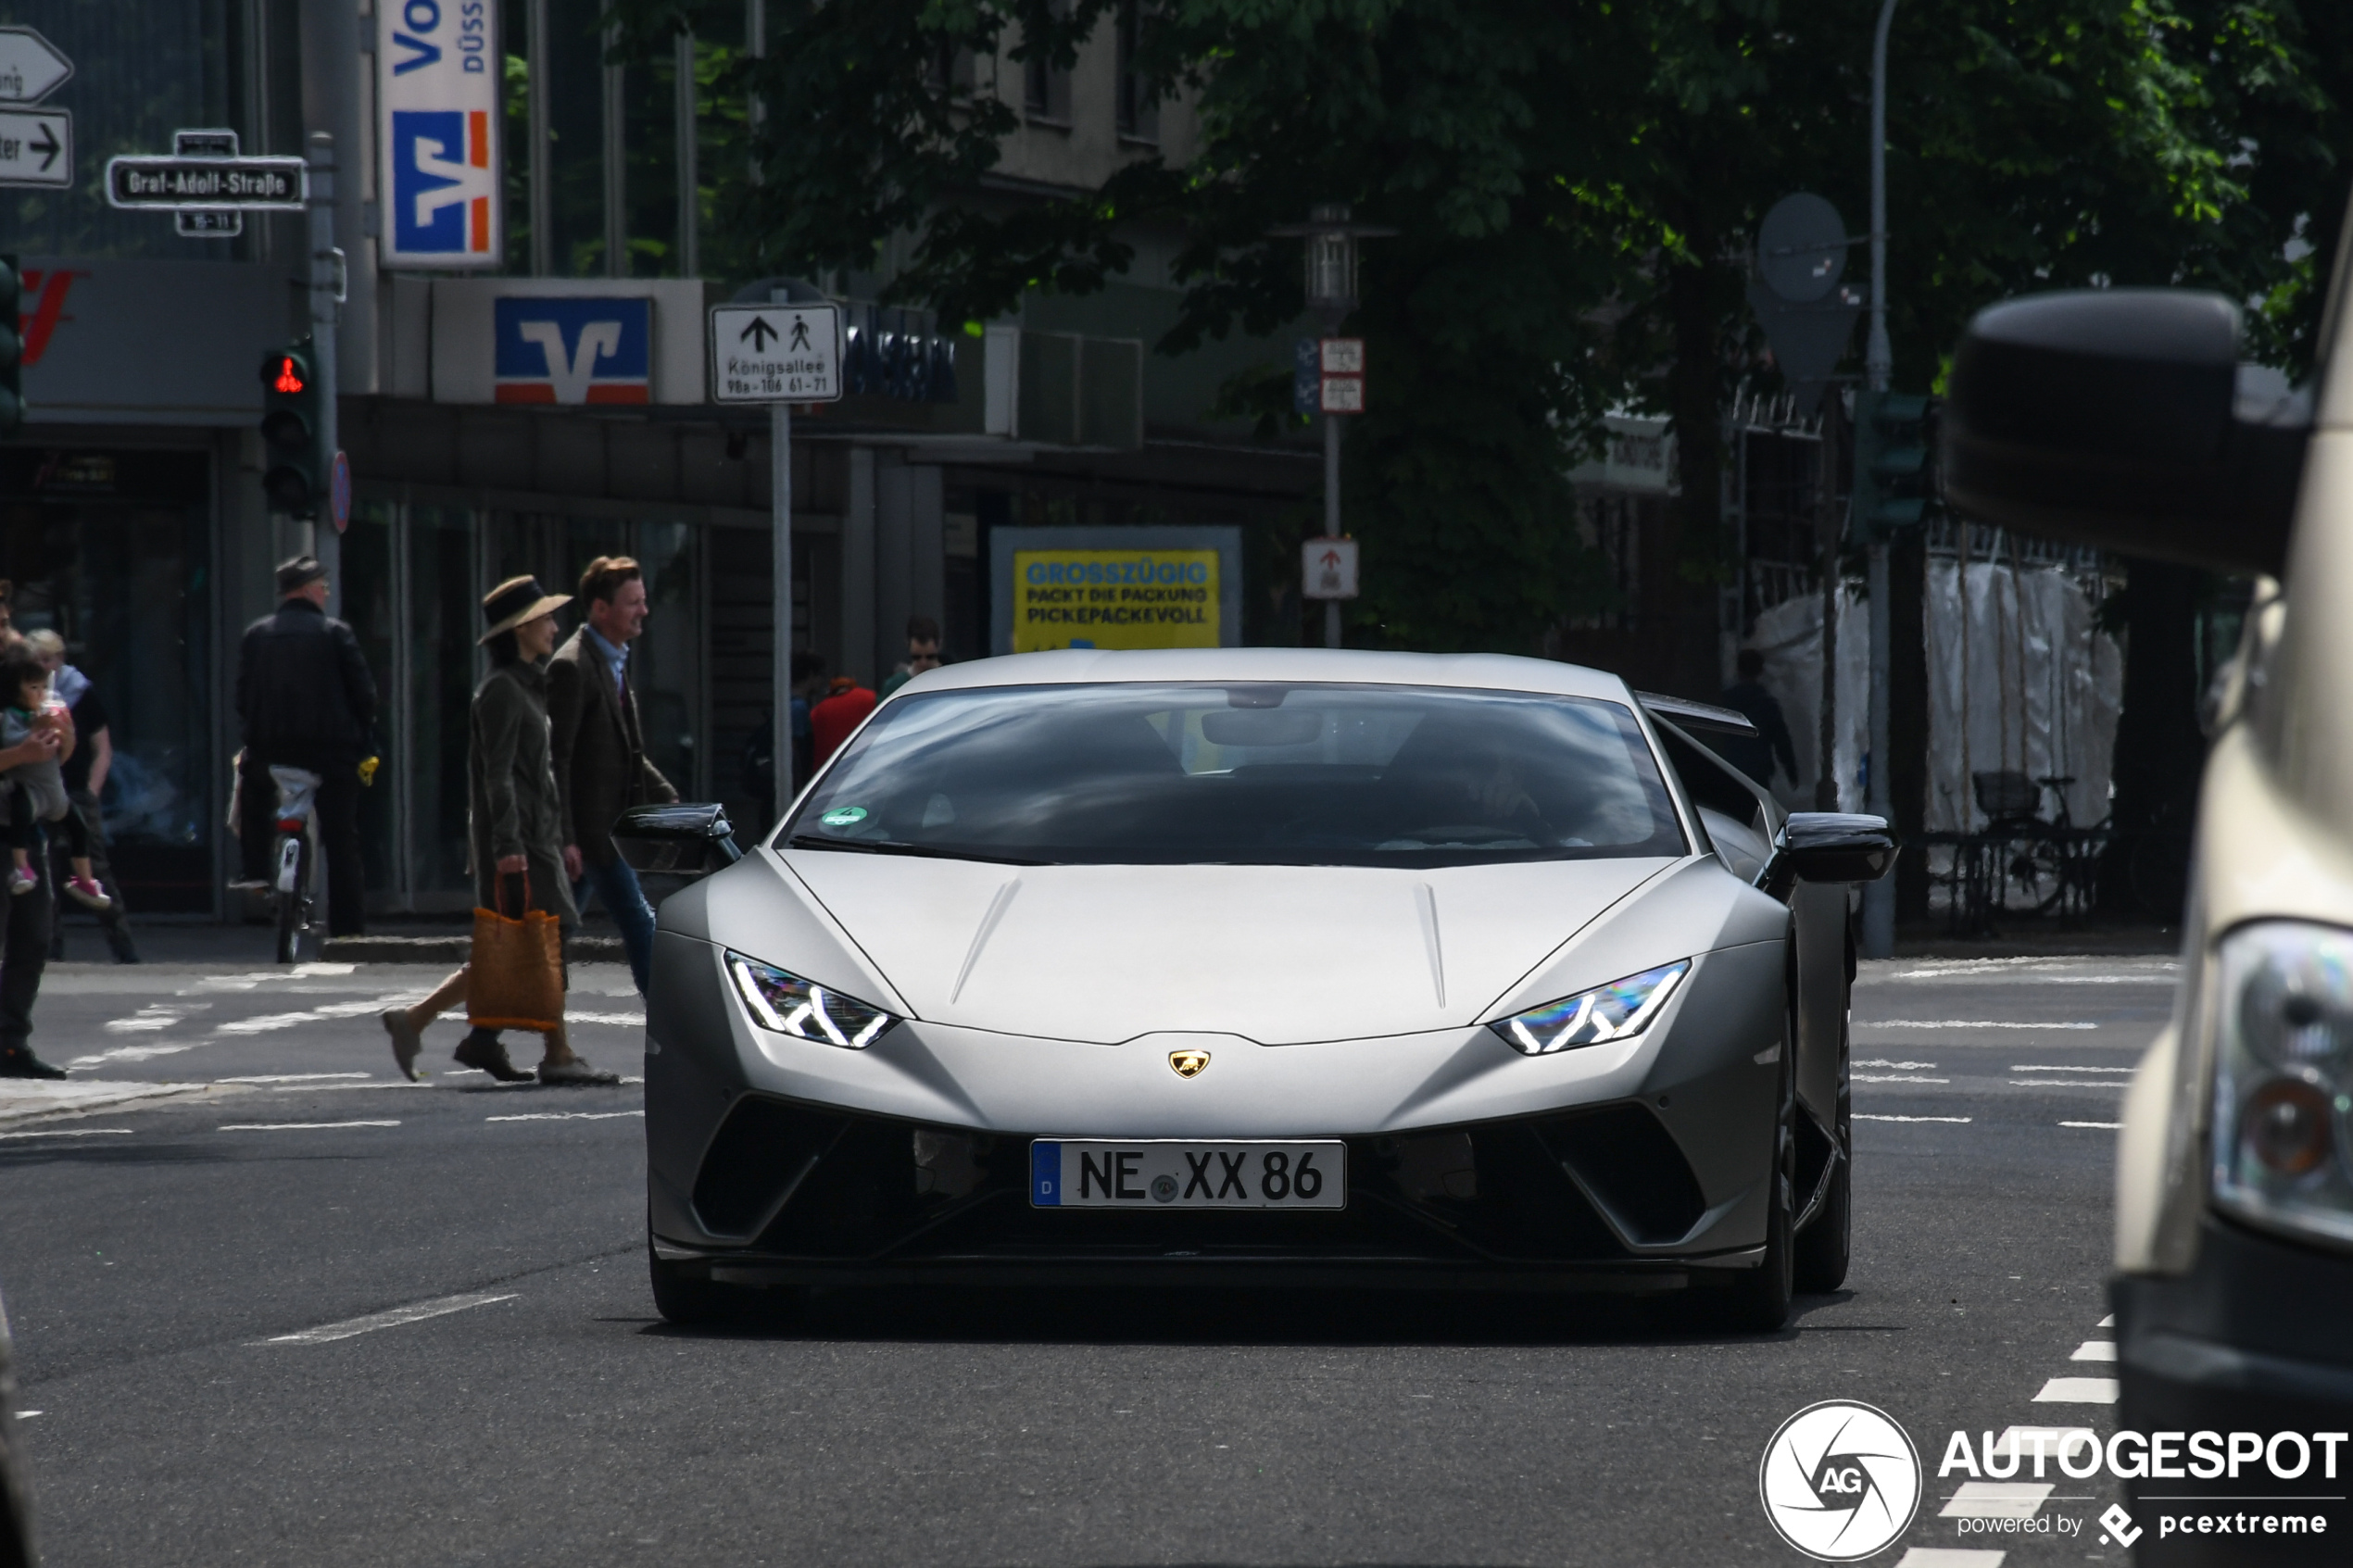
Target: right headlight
(782, 1001)
(2283, 1077)
(1615, 1011)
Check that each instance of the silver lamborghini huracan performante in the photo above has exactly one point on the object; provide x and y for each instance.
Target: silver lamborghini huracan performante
(1258, 966)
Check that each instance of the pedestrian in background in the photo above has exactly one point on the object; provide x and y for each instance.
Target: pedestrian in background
(599, 751)
(831, 720)
(1755, 755)
(514, 825)
(923, 652)
(24, 930)
(306, 701)
(85, 779)
(34, 794)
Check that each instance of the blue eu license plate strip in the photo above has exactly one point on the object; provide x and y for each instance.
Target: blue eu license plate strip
(1187, 1174)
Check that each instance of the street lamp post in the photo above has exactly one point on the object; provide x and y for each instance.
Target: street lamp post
(1330, 281)
(1878, 897)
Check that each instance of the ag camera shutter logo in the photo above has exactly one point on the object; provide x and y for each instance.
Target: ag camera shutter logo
(1839, 1481)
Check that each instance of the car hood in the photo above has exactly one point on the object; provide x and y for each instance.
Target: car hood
(1281, 955)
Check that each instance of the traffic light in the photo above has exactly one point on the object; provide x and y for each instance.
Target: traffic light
(1891, 475)
(11, 349)
(296, 475)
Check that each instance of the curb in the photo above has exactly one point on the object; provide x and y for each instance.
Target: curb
(454, 950)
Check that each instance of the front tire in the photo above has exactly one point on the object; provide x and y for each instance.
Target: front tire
(1825, 1246)
(293, 905)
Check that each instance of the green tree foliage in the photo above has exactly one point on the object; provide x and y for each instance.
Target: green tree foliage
(1576, 185)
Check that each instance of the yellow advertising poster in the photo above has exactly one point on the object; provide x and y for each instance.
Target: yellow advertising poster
(1133, 599)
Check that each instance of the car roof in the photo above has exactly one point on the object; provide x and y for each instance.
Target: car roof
(1492, 671)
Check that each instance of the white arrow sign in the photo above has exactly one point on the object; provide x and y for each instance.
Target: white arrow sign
(36, 148)
(31, 67)
(776, 353)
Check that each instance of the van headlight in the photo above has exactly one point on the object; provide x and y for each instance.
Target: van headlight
(2283, 1077)
(782, 1001)
(1616, 1012)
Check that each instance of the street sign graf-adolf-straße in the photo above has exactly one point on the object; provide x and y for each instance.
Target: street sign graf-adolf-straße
(219, 185)
(776, 353)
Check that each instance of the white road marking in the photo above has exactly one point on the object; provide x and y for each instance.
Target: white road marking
(1865, 1116)
(2094, 1350)
(127, 1053)
(1895, 1078)
(2077, 1391)
(626, 1020)
(2021, 1439)
(290, 1077)
(2017, 1066)
(1997, 1500)
(2107, 1322)
(149, 1019)
(2068, 1083)
(295, 1126)
(28, 1415)
(268, 1023)
(71, 1133)
(1950, 1557)
(2096, 1127)
(262, 1024)
(565, 1116)
(1959, 1023)
(322, 1088)
(395, 1318)
(1897, 1066)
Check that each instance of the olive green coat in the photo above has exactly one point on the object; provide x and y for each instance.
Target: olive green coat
(512, 805)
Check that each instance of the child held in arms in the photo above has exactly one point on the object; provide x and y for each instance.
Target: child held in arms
(36, 791)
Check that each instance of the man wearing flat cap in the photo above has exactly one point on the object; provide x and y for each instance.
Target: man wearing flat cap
(305, 699)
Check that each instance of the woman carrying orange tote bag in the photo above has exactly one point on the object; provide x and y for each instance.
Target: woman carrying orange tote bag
(515, 841)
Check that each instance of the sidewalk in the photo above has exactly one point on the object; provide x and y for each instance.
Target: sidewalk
(2038, 940)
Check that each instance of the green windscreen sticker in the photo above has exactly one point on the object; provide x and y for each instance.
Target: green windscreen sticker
(844, 816)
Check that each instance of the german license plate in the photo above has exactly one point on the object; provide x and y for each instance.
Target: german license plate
(1176, 1173)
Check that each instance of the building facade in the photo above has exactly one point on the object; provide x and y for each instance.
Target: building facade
(531, 414)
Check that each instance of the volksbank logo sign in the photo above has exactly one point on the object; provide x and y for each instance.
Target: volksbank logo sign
(437, 85)
(573, 350)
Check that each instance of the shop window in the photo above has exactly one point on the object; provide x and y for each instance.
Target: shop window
(111, 549)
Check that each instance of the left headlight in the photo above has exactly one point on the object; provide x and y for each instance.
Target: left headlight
(2283, 1077)
(1615, 1011)
(785, 1002)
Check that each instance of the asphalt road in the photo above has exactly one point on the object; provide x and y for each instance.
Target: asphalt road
(220, 1301)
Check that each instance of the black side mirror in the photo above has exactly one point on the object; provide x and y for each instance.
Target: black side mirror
(2115, 418)
(688, 840)
(1832, 846)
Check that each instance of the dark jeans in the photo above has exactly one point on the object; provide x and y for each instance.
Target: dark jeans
(24, 953)
(616, 888)
(338, 819)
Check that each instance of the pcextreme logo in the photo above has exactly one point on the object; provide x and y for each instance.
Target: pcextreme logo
(1839, 1481)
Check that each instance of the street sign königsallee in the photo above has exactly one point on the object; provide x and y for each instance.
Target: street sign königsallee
(36, 148)
(197, 184)
(776, 353)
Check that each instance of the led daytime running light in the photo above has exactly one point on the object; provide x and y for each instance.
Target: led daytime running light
(786, 1004)
(1616, 1012)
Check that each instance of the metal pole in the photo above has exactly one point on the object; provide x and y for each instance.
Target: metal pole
(326, 544)
(1331, 517)
(756, 45)
(689, 173)
(543, 204)
(780, 574)
(1878, 897)
(616, 147)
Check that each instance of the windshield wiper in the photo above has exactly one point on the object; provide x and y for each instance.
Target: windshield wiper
(892, 846)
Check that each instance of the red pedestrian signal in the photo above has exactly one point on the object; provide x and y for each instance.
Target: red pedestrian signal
(289, 377)
(296, 477)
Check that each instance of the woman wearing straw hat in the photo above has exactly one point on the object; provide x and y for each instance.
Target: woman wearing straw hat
(515, 822)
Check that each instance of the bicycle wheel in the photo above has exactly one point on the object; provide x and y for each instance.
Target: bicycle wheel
(2033, 877)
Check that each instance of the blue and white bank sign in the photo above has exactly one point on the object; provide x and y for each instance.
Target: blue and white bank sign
(437, 77)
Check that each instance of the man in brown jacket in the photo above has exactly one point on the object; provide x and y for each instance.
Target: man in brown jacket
(599, 749)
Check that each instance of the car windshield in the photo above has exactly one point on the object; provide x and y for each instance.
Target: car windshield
(1348, 775)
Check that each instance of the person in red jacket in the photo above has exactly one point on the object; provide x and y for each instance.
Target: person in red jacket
(831, 720)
